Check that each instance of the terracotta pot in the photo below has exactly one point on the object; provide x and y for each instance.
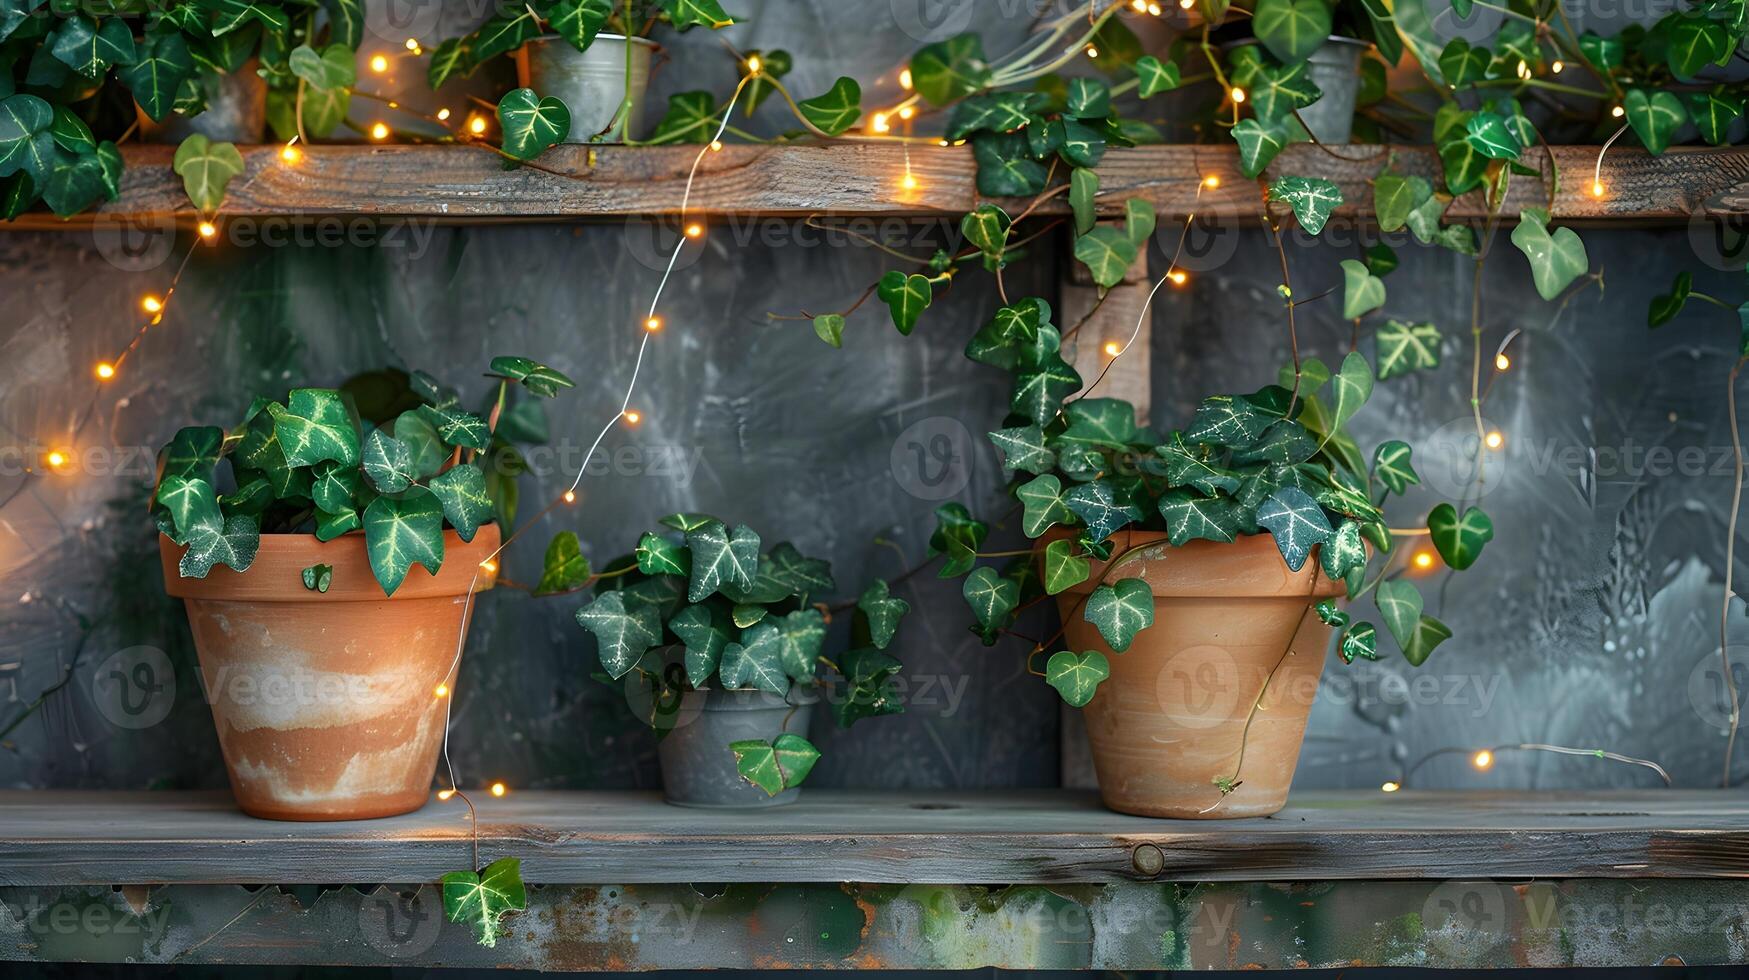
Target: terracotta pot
(1171, 718)
(325, 703)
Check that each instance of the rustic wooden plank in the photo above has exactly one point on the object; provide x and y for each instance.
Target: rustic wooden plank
(463, 184)
(68, 838)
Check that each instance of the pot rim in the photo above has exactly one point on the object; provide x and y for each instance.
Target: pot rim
(646, 42)
(276, 573)
(1258, 548)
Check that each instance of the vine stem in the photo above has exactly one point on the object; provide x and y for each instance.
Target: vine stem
(1730, 557)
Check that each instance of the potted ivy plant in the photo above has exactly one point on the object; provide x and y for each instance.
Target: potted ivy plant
(327, 657)
(724, 649)
(591, 56)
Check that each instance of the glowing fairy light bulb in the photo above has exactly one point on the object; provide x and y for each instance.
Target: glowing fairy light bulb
(1502, 362)
(1092, 52)
(906, 112)
(379, 132)
(754, 65)
(55, 459)
(1238, 95)
(1390, 786)
(880, 124)
(716, 146)
(444, 794)
(1523, 70)
(1178, 278)
(105, 371)
(499, 789)
(693, 231)
(1597, 188)
(207, 229)
(379, 64)
(1139, 6)
(488, 566)
(1186, 4)
(570, 496)
(633, 418)
(1557, 66)
(1423, 560)
(477, 125)
(1113, 348)
(653, 324)
(1618, 112)
(441, 691)
(1494, 440)
(412, 44)
(152, 304)
(905, 79)
(1483, 759)
(1211, 182)
(1154, 9)
(443, 115)
(290, 153)
(908, 182)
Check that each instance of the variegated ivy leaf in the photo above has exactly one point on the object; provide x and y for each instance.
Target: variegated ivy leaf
(800, 636)
(958, 537)
(719, 557)
(835, 111)
(483, 900)
(399, 533)
(830, 328)
(883, 611)
(1260, 141)
(564, 569)
(535, 377)
(206, 169)
(686, 522)
(1156, 76)
(868, 691)
(1393, 464)
(1001, 112)
(623, 631)
(800, 574)
(1459, 540)
(332, 525)
(659, 556)
(1655, 117)
(1277, 90)
(1296, 521)
(1697, 42)
(1102, 508)
(190, 501)
(458, 428)
(1713, 112)
(1007, 169)
(1429, 633)
(315, 427)
(777, 765)
(531, 124)
(1185, 468)
(1361, 640)
(986, 229)
(1312, 199)
(691, 13)
(231, 541)
(193, 451)
(1399, 605)
(1489, 134)
(1083, 198)
(1394, 198)
(1329, 615)
(705, 636)
(462, 492)
(1121, 610)
(756, 661)
(1405, 347)
(992, 599)
(1227, 420)
(1014, 331)
(1362, 292)
(1284, 443)
(1107, 253)
(1076, 676)
(950, 69)
(1556, 259)
(745, 614)
(252, 497)
(229, 15)
(1190, 516)
(1107, 422)
(318, 578)
(388, 462)
(1023, 448)
(1352, 386)
(1291, 29)
(415, 432)
(1063, 568)
(1344, 551)
(1082, 145)
(154, 79)
(906, 298)
(332, 68)
(1039, 391)
(90, 49)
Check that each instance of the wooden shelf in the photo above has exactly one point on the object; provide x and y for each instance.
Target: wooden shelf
(457, 184)
(59, 838)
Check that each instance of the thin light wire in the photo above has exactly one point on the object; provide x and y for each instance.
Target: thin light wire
(631, 388)
(1535, 747)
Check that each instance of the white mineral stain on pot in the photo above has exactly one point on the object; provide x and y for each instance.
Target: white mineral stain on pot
(366, 773)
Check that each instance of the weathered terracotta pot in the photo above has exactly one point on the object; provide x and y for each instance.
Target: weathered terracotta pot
(326, 704)
(1171, 718)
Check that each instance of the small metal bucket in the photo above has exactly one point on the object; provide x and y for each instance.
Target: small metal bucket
(236, 113)
(591, 83)
(1335, 69)
(698, 768)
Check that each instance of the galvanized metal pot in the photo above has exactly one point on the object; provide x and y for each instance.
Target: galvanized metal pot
(698, 768)
(1335, 69)
(236, 112)
(591, 83)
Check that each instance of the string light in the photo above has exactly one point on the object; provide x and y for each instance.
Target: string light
(1092, 52)
(1482, 759)
(413, 45)
(55, 459)
(1495, 440)
(905, 79)
(1211, 182)
(1423, 560)
(716, 146)
(1557, 66)
(1154, 9)
(632, 417)
(105, 371)
(477, 125)
(1502, 362)
(442, 691)
(1523, 70)
(653, 324)
(1177, 277)
(693, 231)
(1390, 787)
(1618, 112)
(906, 112)
(1597, 188)
(1140, 6)
(379, 64)
(290, 152)
(379, 132)
(754, 64)
(498, 789)
(442, 114)
(151, 304)
(488, 566)
(908, 182)
(879, 123)
(207, 229)
(1186, 4)
(1238, 95)
(444, 794)
(570, 496)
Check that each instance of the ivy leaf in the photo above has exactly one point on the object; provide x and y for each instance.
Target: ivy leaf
(1395, 197)
(1260, 141)
(1654, 118)
(1405, 347)
(1296, 521)
(719, 557)
(1279, 90)
(950, 69)
(1353, 386)
(345, 21)
(314, 428)
(231, 541)
(1063, 568)
(830, 328)
(531, 124)
(1459, 540)
(800, 636)
(657, 555)
(333, 68)
(1083, 146)
(1039, 392)
(992, 599)
(1101, 508)
(1344, 551)
(986, 229)
(836, 111)
(229, 15)
(1392, 464)
(1184, 468)
(1488, 134)
(1666, 306)
(689, 13)
(399, 533)
(578, 21)
(163, 66)
(427, 451)
(1329, 615)
(1041, 500)
(1003, 112)
(563, 569)
(1696, 42)
(1604, 52)
(756, 661)
(883, 612)
(1106, 422)
(90, 49)
(1156, 77)
(1555, 259)
(1713, 112)
(906, 298)
(1399, 604)
(1121, 610)
(1429, 633)
(330, 526)
(458, 428)
(188, 500)
(691, 118)
(1006, 167)
(958, 537)
(538, 379)
(324, 109)
(705, 636)
(193, 451)
(26, 142)
(206, 168)
(317, 578)
(777, 765)
(1362, 292)
(451, 58)
(1312, 199)
(1362, 641)
(466, 504)
(1076, 676)
(483, 900)
(1462, 64)
(1291, 29)
(1107, 253)
(388, 462)
(1227, 420)
(1023, 448)
(799, 574)
(685, 522)
(1083, 195)
(622, 632)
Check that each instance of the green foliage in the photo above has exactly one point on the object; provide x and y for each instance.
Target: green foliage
(1077, 676)
(206, 169)
(1556, 259)
(835, 111)
(1312, 199)
(1459, 540)
(776, 765)
(531, 124)
(482, 900)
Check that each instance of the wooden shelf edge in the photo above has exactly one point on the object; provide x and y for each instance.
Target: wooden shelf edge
(462, 184)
